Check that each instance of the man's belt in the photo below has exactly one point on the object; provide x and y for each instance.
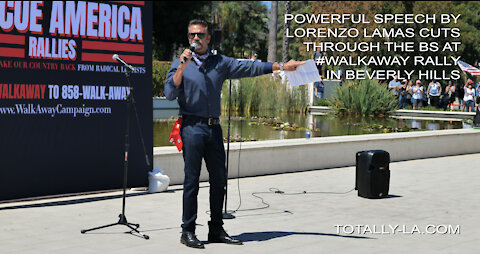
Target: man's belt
(209, 121)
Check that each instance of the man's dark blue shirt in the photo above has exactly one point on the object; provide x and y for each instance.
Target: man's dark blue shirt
(201, 87)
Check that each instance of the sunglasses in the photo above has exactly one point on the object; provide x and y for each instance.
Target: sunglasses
(200, 35)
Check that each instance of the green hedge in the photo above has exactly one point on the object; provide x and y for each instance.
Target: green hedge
(160, 70)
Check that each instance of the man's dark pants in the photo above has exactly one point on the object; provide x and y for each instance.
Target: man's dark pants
(201, 140)
(402, 101)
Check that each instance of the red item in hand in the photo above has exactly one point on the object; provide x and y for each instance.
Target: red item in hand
(175, 134)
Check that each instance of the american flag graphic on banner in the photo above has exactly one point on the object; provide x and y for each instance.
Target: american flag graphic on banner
(468, 68)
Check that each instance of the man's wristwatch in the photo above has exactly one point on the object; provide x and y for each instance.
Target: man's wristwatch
(281, 66)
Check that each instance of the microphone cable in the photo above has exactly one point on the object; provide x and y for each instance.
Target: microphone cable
(271, 190)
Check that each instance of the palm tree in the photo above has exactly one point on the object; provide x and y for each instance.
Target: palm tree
(272, 35)
(286, 26)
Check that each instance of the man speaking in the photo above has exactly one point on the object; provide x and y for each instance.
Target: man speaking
(195, 80)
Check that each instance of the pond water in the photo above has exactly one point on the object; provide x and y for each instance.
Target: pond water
(296, 125)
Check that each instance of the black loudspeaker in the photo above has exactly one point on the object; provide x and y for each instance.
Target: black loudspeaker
(372, 175)
(476, 118)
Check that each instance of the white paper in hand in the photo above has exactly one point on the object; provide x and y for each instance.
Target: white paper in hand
(305, 73)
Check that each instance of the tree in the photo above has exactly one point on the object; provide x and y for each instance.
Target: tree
(170, 20)
(367, 8)
(470, 27)
(244, 28)
(294, 46)
(272, 33)
(285, 38)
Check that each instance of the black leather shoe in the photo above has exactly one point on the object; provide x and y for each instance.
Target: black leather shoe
(220, 236)
(191, 240)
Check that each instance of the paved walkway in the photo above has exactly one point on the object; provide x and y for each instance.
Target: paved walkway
(429, 195)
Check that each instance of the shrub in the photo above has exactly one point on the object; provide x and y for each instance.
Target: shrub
(160, 70)
(321, 102)
(366, 97)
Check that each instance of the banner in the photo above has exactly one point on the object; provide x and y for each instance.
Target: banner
(63, 98)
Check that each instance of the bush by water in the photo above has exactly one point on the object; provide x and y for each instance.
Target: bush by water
(364, 98)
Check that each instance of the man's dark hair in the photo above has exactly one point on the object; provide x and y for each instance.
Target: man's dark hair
(198, 22)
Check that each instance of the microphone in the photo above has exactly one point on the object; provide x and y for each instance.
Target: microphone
(193, 46)
(116, 57)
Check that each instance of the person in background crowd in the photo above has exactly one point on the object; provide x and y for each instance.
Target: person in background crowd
(402, 94)
(453, 97)
(317, 54)
(460, 94)
(469, 97)
(448, 96)
(409, 98)
(433, 93)
(394, 85)
(321, 67)
(477, 94)
(417, 91)
(319, 88)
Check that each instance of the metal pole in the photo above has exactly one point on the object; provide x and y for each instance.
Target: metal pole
(227, 215)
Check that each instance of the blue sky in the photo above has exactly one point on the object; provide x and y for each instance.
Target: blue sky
(267, 3)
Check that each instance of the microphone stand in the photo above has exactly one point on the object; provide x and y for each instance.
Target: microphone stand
(226, 214)
(122, 218)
